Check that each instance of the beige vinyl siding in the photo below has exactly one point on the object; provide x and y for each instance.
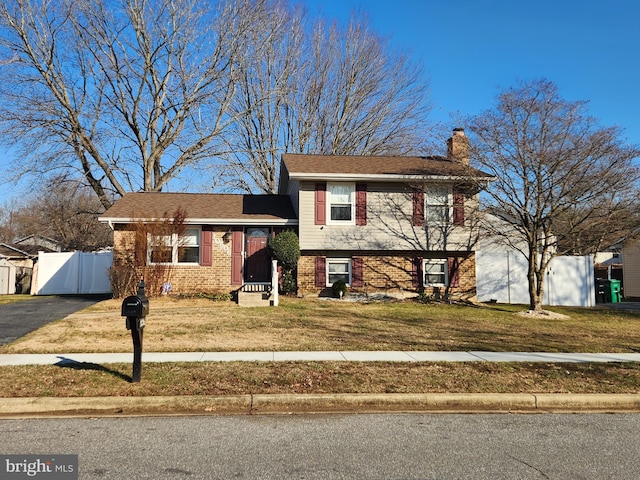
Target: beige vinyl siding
(293, 190)
(389, 225)
(631, 268)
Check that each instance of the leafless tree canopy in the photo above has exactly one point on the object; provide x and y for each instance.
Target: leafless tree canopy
(561, 179)
(61, 209)
(134, 93)
(316, 87)
(127, 92)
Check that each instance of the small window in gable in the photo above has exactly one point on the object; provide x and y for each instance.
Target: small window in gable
(341, 202)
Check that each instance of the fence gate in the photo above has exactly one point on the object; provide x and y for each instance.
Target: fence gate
(73, 273)
(502, 276)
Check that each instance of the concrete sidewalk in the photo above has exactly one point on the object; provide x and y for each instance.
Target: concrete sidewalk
(346, 356)
(252, 404)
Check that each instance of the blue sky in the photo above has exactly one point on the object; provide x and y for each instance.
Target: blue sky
(470, 49)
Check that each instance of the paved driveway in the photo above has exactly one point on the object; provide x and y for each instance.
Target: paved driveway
(19, 318)
(628, 306)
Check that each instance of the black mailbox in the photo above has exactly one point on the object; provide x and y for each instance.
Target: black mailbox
(135, 306)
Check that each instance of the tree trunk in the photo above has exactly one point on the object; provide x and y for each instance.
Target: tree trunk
(536, 282)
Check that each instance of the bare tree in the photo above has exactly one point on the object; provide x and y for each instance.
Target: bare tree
(126, 92)
(67, 213)
(311, 87)
(558, 174)
(154, 243)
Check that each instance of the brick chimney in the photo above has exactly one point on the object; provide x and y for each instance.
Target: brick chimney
(458, 147)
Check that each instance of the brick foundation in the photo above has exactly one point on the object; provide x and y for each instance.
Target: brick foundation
(388, 274)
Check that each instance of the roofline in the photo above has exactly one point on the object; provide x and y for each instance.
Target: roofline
(382, 176)
(204, 221)
(17, 250)
(619, 243)
(52, 240)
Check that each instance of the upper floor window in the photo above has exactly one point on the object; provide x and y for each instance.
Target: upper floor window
(175, 248)
(341, 202)
(437, 205)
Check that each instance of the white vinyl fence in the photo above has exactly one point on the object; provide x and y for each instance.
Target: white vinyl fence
(73, 273)
(502, 276)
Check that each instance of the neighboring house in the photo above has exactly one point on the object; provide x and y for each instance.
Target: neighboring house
(608, 265)
(16, 267)
(630, 247)
(380, 223)
(39, 243)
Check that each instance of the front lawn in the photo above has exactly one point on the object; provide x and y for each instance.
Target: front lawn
(175, 325)
(204, 325)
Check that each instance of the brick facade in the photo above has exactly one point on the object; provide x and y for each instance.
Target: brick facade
(186, 278)
(393, 274)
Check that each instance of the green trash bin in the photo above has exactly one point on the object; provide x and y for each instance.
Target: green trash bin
(614, 291)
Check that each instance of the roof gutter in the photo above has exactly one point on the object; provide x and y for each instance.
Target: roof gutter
(203, 221)
(384, 177)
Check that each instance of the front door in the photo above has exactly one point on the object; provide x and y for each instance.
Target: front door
(257, 267)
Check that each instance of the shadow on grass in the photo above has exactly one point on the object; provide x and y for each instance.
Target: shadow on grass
(75, 365)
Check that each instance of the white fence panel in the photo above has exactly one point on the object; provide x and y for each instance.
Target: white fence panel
(73, 273)
(492, 277)
(502, 276)
(94, 272)
(570, 282)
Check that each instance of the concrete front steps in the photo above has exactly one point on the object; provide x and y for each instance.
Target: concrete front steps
(255, 295)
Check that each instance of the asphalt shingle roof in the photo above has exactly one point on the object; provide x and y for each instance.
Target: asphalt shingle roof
(11, 251)
(376, 165)
(146, 205)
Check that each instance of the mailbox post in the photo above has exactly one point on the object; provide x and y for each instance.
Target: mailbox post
(136, 308)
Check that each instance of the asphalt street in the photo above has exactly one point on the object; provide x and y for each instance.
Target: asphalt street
(19, 318)
(389, 446)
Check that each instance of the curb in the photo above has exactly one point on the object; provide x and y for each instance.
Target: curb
(317, 403)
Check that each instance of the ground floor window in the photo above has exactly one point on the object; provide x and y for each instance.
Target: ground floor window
(175, 248)
(338, 269)
(435, 272)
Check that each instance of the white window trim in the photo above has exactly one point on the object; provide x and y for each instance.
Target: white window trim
(435, 261)
(175, 243)
(449, 205)
(352, 187)
(339, 260)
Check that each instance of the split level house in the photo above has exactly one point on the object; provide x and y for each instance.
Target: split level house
(391, 224)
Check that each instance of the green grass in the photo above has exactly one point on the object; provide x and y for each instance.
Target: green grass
(6, 299)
